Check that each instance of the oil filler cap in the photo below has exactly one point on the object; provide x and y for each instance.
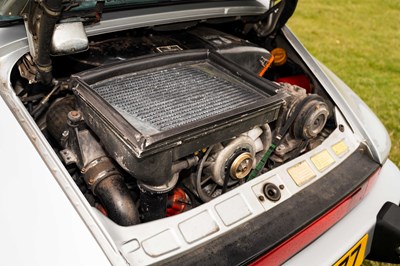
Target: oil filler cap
(280, 56)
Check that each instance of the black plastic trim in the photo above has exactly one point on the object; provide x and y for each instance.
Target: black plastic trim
(262, 234)
(386, 241)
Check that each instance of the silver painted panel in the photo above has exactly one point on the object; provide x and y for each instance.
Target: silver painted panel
(233, 210)
(156, 245)
(128, 19)
(39, 225)
(12, 38)
(44, 155)
(198, 226)
(69, 38)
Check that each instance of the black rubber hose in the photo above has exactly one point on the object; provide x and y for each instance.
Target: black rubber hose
(57, 116)
(51, 13)
(108, 185)
(115, 197)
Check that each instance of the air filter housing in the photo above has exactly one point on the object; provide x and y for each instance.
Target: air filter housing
(153, 111)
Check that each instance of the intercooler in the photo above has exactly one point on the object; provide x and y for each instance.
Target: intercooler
(174, 97)
(155, 110)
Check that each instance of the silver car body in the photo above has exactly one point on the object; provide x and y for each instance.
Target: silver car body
(48, 222)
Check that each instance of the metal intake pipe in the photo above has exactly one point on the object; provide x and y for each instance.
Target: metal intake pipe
(105, 181)
(108, 185)
(100, 172)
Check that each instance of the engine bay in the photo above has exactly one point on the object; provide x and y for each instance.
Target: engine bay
(151, 123)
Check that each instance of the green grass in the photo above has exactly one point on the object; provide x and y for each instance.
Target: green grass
(360, 41)
(373, 263)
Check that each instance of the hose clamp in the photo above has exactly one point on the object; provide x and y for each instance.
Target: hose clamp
(98, 170)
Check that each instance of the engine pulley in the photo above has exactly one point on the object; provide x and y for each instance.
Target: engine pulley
(311, 120)
(241, 166)
(233, 161)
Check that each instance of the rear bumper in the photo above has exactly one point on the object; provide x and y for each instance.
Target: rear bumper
(335, 242)
(273, 236)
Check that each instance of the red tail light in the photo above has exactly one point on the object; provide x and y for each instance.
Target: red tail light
(294, 244)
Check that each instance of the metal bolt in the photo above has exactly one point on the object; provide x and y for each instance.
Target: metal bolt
(261, 198)
(281, 187)
(341, 128)
(74, 116)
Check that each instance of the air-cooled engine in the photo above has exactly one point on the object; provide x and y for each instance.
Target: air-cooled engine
(165, 123)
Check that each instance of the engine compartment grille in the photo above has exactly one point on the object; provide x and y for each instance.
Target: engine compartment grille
(173, 97)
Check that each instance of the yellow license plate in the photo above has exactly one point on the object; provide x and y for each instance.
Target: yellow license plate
(355, 255)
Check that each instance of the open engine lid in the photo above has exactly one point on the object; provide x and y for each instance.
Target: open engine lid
(90, 11)
(56, 27)
(16, 8)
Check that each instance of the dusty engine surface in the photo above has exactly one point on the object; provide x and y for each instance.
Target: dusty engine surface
(158, 124)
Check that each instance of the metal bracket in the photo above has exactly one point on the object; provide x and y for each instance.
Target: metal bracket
(68, 156)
